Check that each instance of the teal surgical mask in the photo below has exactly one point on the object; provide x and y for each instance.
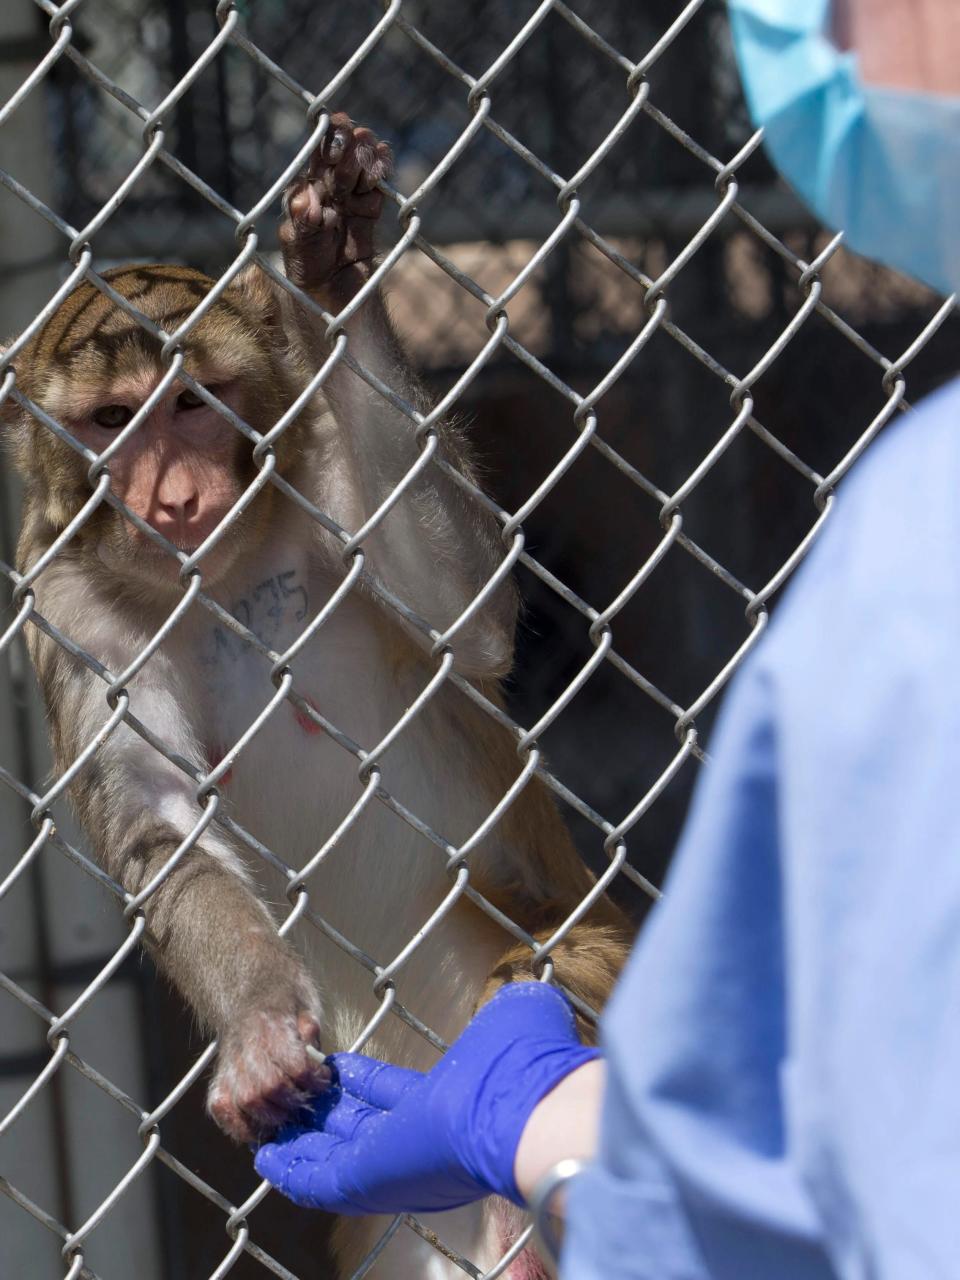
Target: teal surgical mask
(882, 165)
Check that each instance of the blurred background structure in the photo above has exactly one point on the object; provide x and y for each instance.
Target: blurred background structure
(558, 97)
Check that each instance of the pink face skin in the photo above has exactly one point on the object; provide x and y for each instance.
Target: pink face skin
(178, 471)
(902, 44)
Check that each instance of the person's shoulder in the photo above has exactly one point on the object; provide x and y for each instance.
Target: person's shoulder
(903, 492)
(920, 447)
(891, 541)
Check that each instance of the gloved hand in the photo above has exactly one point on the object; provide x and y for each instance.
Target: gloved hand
(386, 1140)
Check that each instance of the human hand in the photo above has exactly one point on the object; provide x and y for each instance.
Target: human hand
(384, 1139)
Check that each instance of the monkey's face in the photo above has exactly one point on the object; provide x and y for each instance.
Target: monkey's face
(180, 473)
(185, 464)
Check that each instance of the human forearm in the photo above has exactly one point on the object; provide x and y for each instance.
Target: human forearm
(563, 1124)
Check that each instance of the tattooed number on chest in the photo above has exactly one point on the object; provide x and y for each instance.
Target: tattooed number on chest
(270, 606)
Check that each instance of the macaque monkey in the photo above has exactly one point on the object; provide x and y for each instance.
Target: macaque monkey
(212, 919)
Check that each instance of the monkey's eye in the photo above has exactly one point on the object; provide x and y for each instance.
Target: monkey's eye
(188, 400)
(113, 416)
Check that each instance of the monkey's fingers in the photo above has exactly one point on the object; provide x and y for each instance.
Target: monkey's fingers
(310, 209)
(331, 208)
(244, 1117)
(349, 158)
(332, 144)
(253, 1111)
(265, 1074)
(308, 1027)
(374, 168)
(358, 243)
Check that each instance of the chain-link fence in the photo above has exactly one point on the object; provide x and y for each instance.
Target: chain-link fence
(668, 370)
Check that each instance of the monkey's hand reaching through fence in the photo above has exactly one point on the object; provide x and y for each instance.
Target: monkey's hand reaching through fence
(266, 1073)
(386, 1140)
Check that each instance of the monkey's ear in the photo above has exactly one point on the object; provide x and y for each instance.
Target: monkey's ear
(16, 437)
(260, 298)
(10, 412)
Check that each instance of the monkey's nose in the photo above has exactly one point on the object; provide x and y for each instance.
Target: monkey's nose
(183, 520)
(182, 509)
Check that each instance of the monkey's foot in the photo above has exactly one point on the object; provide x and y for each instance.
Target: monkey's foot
(264, 1074)
(331, 210)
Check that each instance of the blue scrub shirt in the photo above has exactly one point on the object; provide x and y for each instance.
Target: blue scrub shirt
(784, 1048)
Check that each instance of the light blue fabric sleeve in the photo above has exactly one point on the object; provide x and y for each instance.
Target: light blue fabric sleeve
(785, 1044)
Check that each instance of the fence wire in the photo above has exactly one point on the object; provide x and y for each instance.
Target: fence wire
(643, 288)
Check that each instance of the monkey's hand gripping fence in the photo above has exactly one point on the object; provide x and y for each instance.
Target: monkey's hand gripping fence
(580, 431)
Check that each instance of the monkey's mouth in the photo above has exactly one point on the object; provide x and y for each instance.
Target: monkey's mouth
(210, 562)
(143, 558)
(172, 555)
(220, 552)
(182, 547)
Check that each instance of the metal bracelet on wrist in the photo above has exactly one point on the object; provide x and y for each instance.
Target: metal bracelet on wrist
(547, 1224)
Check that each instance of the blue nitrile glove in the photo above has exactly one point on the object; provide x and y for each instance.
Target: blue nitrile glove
(387, 1140)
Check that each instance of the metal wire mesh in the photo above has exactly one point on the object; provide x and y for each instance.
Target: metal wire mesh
(639, 281)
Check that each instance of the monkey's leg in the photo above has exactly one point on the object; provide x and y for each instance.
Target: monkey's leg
(587, 962)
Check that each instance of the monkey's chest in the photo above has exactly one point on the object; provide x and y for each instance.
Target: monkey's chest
(296, 780)
(294, 711)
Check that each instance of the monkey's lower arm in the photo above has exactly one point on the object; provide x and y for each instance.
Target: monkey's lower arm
(209, 931)
(217, 942)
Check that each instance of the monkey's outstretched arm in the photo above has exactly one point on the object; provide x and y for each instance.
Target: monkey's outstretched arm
(437, 548)
(208, 930)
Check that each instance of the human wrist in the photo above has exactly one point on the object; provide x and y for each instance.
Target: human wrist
(564, 1123)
